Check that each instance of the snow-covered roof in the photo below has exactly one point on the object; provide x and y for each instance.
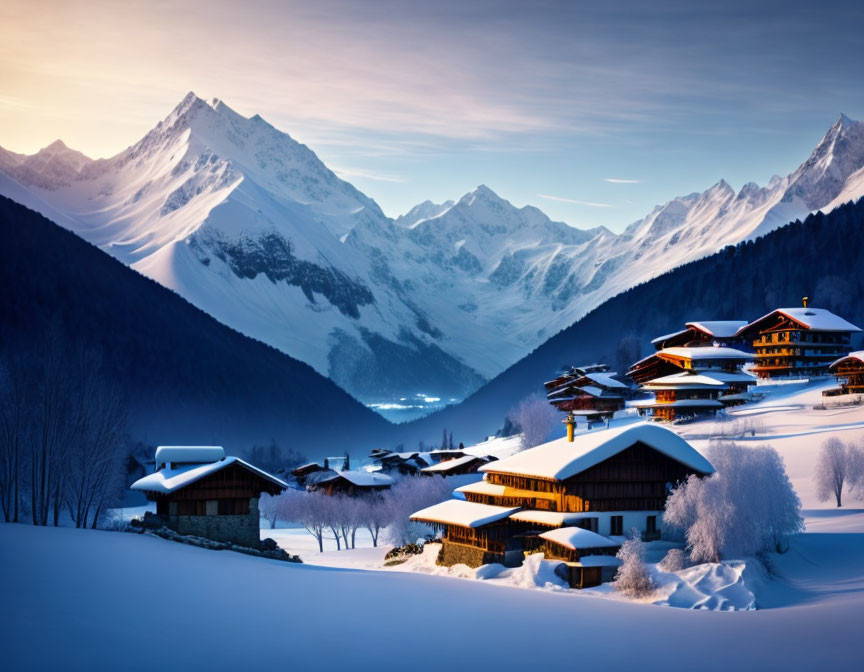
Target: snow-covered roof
(686, 378)
(605, 379)
(719, 328)
(549, 518)
(719, 352)
(365, 479)
(189, 454)
(730, 376)
(498, 446)
(449, 465)
(561, 459)
(462, 513)
(662, 338)
(817, 319)
(170, 480)
(482, 488)
(576, 538)
(857, 355)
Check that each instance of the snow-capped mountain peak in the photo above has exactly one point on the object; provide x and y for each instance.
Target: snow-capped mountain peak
(248, 224)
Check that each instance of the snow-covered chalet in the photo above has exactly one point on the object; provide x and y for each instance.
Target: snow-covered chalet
(574, 500)
(200, 491)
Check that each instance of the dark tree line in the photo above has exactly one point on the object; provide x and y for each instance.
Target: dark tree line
(821, 257)
(63, 441)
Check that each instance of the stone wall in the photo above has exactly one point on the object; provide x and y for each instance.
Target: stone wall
(462, 554)
(243, 530)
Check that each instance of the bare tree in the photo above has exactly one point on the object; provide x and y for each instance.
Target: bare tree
(838, 466)
(307, 509)
(633, 578)
(13, 428)
(96, 449)
(747, 507)
(374, 515)
(54, 426)
(535, 419)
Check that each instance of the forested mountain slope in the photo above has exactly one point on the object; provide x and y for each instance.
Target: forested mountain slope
(185, 377)
(821, 257)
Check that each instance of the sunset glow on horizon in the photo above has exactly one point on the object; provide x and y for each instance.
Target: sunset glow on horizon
(611, 110)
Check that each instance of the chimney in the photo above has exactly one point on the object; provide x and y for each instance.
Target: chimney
(569, 421)
(805, 300)
(326, 463)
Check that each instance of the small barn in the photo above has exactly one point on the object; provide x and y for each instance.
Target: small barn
(201, 492)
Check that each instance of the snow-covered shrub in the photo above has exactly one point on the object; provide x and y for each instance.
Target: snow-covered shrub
(535, 419)
(839, 465)
(674, 561)
(407, 496)
(747, 507)
(633, 578)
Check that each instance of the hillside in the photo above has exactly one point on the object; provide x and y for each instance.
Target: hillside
(186, 377)
(821, 257)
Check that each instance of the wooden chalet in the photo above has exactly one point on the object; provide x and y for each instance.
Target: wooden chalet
(692, 381)
(201, 492)
(350, 483)
(702, 334)
(798, 342)
(606, 482)
(849, 372)
(591, 392)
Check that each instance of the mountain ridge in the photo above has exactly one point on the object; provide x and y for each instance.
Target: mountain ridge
(249, 225)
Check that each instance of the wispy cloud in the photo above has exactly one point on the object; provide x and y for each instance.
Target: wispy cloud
(366, 175)
(618, 180)
(561, 199)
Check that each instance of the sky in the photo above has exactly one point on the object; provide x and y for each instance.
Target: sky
(593, 112)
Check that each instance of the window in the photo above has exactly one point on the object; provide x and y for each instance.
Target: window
(651, 525)
(172, 508)
(616, 525)
(587, 524)
(212, 507)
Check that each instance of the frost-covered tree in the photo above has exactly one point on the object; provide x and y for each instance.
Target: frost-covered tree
(747, 507)
(633, 578)
(407, 496)
(674, 561)
(268, 507)
(838, 466)
(310, 509)
(535, 419)
(374, 515)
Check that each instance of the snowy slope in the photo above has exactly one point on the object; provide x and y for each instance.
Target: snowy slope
(249, 225)
(111, 600)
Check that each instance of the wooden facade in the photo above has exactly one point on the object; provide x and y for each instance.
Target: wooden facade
(691, 381)
(849, 372)
(632, 483)
(235, 483)
(787, 345)
(634, 479)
